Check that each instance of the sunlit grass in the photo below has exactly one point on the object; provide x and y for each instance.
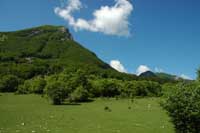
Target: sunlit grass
(33, 114)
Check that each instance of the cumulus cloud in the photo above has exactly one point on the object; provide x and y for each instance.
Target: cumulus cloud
(111, 20)
(116, 64)
(185, 77)
(141, 69)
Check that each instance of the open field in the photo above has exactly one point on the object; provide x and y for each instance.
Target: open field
(33, 114)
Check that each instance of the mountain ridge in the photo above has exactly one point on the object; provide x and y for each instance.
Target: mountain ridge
(45, 48)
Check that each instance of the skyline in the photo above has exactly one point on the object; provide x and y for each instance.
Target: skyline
(164, 35)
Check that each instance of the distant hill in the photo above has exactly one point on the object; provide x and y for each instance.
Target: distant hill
(46, 50)
(160, 77)
(167, 76)
(148, 74)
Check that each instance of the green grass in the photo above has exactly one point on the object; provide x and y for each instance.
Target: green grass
(31, 113)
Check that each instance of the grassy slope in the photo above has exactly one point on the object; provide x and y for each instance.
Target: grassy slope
(39, 116)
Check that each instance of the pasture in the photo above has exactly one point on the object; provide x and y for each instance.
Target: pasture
(34, 114)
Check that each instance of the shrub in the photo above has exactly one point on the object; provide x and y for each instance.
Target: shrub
(110, 88)
(24, 88)
(35, 85)
(168, 89)
(57, 92)
(106, 108)
(9, 83)
(106, 87)
(141, 88)
(184, 108)
(80, 94)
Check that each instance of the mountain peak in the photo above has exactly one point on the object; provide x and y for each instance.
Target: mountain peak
(59, 32)
(147, 74)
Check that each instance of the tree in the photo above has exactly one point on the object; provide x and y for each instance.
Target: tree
(34, 85)
(57, 92)
(183, 107)
(106, 87)
(80, 94)
(141, 88)
(198, 74)
(168, 89)
(9, 83)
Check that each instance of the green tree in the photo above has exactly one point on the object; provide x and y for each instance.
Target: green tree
(80, 94)
(106, 87)
(9, 83)
(35, 85)
(141, 88)
(57, 92)
(198, 74)
(184, 108)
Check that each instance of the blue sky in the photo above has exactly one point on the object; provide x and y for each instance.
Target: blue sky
(164, 34)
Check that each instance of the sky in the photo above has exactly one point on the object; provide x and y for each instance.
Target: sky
(132, 36)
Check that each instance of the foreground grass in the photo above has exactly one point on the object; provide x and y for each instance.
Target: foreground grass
(33, 114)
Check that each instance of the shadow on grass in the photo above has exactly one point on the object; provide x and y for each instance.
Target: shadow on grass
(78, 103)
(71, 104)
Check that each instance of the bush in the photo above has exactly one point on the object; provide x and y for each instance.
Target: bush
(106, 87)
(80, 94)
(35, 85)
(184, 108)
(9, 83)
(141, 88)
(57, 92)
(168, 89)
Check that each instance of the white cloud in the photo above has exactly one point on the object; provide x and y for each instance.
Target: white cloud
(185, 77)
(116, 64)
(111, 20)
(141, 69)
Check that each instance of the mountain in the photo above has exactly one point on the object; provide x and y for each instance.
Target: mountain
(167, 76)
(148, 74)
(46, 50)
(160, 77)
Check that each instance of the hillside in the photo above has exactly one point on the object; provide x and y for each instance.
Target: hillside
(46, 50)
(147, 74)
(167, 76)
(161, 77)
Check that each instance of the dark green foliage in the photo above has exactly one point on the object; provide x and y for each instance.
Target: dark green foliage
(57, 92)
(168, 89)
(141, 88)
(106, 108)
(198, 74)
(74, 83)
(184, 108)
(9, 83)
(35, 85)
(106, 87)
(48, 50)
(113, 87)
(80, 94)
(110, 88)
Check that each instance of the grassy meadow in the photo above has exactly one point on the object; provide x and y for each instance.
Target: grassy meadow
(33, 114)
